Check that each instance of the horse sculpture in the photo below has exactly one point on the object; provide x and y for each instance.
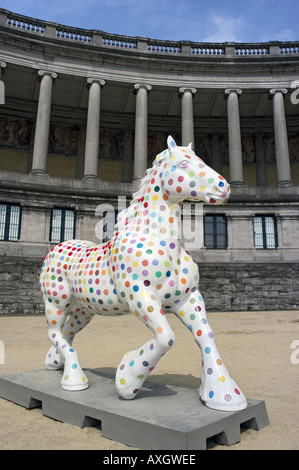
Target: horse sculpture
(143, 269)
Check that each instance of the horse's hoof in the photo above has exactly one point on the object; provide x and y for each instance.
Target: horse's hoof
(75, 388)
(227, 407)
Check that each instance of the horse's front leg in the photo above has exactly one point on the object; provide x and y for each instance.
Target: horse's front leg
(217, 390)
(136, 365)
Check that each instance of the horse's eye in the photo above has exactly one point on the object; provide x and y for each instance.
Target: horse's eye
(184, 164)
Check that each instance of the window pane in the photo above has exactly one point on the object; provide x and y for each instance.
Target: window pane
(221, 232)
(3, 211)
(270, 232)
(56, 225)
(69, 225)
(258, 232)
(109, 221)
(14, 223)
(209, 231)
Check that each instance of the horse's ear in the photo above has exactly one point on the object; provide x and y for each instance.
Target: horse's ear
(189, 147)
(171, 144)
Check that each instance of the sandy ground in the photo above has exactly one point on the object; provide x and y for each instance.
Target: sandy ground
(255, 346)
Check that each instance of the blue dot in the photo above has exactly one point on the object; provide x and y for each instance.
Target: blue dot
(221, 184)
(132, 363)
(207, 350)
(71, 350)
(210, 371)
(173, 168)
(170, 342)
(134, 277)
(135, 288)
(140, 245)
(74, 366)
(211, 394)
(172, 143)
(162, 243)
(145, 363)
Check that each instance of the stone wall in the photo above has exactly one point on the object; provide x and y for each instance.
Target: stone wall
(226, 287)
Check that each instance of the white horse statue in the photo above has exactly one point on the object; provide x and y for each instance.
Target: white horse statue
(143, 269)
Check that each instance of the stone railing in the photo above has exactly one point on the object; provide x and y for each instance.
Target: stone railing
(97, 38)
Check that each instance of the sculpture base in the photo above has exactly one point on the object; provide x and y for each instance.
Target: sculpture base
(161, 417)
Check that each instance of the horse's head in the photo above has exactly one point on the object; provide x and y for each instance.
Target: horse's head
(183, 175)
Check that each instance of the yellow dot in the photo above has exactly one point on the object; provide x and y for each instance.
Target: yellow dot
(122, 381)
(221, 378)
(155, 197)
(83, 378)
(182, 313)
(202, 188)
(135, 264)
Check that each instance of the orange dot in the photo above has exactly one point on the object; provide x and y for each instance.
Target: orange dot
(179, 189)
(199, 332)
(159, 329)
(127, 284)
(171, 220)
(165, 197)
(106, 292)
(59, 312)
(219, 362)
(183, 280)
(53, 322)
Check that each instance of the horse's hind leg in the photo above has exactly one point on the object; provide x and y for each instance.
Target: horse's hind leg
(136, 365)
(78, 319)
(73, 377)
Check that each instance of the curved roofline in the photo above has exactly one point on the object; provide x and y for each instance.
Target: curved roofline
(98, 38)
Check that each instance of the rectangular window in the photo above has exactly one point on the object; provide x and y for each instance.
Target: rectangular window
(109, 221)
(215, 232)
(62, 225)
(10, 222)
(265, 232)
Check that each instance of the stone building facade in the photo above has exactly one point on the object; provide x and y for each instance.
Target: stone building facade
(83, 115)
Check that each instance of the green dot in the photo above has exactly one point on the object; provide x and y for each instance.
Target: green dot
(157, 189)
(192, 316)
(158, 274)
(141, 352)
(210, 180)
(149, 252)
(191, 173)
(91, 290)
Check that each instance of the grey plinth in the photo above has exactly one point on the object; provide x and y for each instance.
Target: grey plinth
(160, 418)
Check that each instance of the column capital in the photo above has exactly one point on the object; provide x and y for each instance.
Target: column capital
(184, 89)
(276, 90)
(42, 73)
(227, 91)
(2, 64)
(91, 80)
(137, 87)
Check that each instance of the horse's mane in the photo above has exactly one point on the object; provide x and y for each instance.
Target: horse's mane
(128, 214)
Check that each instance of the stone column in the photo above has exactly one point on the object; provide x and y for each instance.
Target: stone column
(234, 137)
(216, 159)
(42, 129)
(260, 157)
(91, 159)
(127, 158)
(281, 138)
(187, 116)
(140, 149)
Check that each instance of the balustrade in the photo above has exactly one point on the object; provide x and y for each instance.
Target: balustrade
(183, 48)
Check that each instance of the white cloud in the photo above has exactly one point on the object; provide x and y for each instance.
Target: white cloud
(223, 28)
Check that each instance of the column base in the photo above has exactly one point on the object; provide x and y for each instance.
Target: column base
(91, 177)
(39, 172)
(237, 184)
(285, 184)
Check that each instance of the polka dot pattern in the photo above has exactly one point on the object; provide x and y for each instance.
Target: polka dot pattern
(143, 269)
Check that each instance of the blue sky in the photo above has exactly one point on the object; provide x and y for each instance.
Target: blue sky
(193, 20)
